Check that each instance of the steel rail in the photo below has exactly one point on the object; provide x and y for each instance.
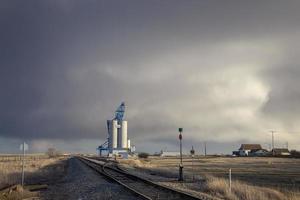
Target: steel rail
(141, 187)
(99, 168)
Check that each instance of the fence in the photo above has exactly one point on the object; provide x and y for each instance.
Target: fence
(17, 157)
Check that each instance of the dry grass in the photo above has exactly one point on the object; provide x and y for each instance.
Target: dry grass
(270, 172)
(135, 162)
(253, 178)
(220, 187)
(17, 193)
(10, 171)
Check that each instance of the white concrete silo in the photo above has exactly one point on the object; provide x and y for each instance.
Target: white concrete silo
(114, 133)
(124, 134)
(128, 144)
(118, 142)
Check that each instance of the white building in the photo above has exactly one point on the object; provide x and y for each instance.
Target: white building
(245, 149)
(117, 143)
(169, 153)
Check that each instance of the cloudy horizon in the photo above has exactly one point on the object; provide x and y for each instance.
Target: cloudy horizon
(227, 72)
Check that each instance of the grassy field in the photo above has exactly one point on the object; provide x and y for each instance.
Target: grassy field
(275, 172)
(18, 157)
(253, 177)
(37, 169)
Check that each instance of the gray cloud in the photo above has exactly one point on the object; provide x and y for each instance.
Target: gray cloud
(226, 71)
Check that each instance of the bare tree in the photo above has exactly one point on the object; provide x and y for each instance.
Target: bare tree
(51, 152)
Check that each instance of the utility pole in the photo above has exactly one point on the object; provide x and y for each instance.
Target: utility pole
(230, 180)
(273, 138)
(23, 162)
(193, 153)
(181, 164)
(204, 148)
(273, 141)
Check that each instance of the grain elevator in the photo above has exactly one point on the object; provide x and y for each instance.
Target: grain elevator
(118, 141)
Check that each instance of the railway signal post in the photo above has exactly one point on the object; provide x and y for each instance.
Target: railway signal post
(181, 164)
(192, 154)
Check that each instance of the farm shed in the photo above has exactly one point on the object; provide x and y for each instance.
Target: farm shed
(281, 152)
(245, 149)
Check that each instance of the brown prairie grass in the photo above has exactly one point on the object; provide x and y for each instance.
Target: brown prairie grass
(220, 187)
(135, 162)
(10, 171)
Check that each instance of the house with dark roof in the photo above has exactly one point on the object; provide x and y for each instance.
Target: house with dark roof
(245, 149)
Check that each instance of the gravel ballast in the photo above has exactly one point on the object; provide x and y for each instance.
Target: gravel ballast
(81, 183)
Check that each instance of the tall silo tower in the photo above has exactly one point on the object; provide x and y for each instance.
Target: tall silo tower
(117, 132)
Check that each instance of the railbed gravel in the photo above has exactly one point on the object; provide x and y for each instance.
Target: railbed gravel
(83, 183)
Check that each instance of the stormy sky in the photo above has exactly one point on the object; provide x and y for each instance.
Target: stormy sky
(226, 71)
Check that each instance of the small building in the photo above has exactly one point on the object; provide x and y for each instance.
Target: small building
(169, 153)
(280, 152)
(245, 149)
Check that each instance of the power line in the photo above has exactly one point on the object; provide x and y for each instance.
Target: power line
(273, 131)
(291, 132)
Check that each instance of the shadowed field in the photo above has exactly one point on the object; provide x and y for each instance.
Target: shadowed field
(40, 170)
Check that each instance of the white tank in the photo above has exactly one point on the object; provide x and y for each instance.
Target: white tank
(124, 134)
(114, 133)
(128, 144)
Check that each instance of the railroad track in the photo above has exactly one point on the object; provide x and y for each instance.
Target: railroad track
(140, 187)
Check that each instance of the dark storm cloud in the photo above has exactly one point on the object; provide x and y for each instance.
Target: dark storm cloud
(206, 65)
(283, 103)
